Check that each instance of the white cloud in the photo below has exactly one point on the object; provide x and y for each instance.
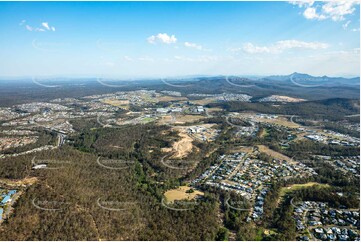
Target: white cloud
(335, 10)
(182, 58)
(127, 58)
(283, 45)
(310, 13)
(288, 44)
(193, 45)
(146, 58)
(335, 62)
(44, 27)
(151, 39)
(301, 4)
(345, 25)
(22, 22)
(203, 58)
(237, 49)
(252, 49)
(162, 38)
(108, 64)
(28, 27)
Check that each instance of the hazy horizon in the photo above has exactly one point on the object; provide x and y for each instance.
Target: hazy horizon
(175, 77)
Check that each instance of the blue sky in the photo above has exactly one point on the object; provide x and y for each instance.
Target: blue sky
(146, 39)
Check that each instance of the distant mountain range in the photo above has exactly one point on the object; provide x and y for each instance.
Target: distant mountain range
(305, 79)
(295, 85)
(295, 77)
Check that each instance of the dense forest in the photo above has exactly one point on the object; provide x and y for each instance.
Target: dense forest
(76, 188)
(329, 109)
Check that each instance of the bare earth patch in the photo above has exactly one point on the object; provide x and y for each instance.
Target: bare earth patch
(26, 181)
(188, 118)
(167, 119)
(287, 99)
(179, 119)
(184, 146)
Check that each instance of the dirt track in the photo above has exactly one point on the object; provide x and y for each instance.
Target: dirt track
(183, 147)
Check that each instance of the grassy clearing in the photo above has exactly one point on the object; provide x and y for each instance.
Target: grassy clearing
(189, 118)
(148, 119)
(274, 154)
(205, 101)
(268, 232)
(171, 98)
(246, 149)
(181, 194)
(211, 110)
(259, 234)
(295, 187)
(280, 121)
(117, 103)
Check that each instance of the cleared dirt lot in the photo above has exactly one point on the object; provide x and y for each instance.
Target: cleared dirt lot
(26, 181)
(183, 146)
(179, 119)
(188, 118)
(287, 99)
